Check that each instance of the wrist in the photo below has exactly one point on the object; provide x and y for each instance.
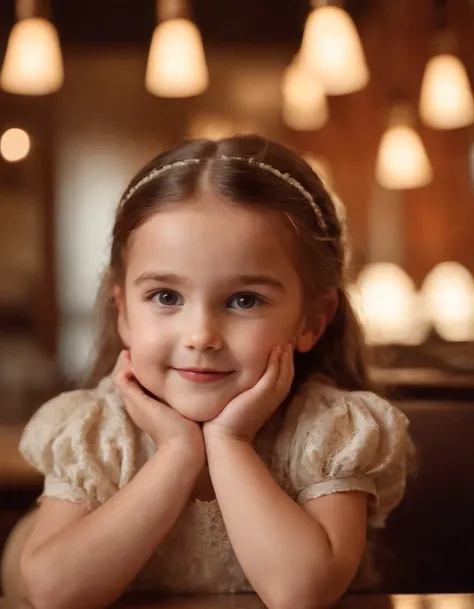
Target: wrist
(214, 437)
(188, 449)
(221, 447)
(218, 434)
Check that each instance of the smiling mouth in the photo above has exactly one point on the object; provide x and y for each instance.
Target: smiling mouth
(203, 375)
(204, 370)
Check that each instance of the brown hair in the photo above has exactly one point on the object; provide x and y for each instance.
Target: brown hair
(339, 353)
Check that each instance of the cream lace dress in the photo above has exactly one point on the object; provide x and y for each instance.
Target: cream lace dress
(326, 441)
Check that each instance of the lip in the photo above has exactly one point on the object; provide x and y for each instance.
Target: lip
(202, 375)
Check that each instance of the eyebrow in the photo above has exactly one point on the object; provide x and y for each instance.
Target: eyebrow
(173, 279)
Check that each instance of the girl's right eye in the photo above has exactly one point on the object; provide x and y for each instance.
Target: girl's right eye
(166, 298)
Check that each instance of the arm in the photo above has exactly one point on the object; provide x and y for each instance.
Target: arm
(89, 563)
(292, 556)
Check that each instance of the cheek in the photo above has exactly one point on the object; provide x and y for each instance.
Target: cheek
(148, 341)
(148, 352)
(254, 348)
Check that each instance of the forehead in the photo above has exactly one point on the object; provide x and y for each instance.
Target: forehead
(214, 237)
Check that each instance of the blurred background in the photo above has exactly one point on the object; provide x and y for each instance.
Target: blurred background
(377, 94)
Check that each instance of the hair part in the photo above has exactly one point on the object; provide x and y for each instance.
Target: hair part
(322, 251)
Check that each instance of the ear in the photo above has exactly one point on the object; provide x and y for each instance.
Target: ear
(122, 323)
(316, 322)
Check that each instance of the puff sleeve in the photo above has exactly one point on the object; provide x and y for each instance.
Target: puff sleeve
(84, 444)
(349, 441)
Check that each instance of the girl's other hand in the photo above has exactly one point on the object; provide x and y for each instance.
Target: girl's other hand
(246, 414)
(161, 422)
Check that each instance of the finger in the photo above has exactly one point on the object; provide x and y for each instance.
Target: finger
(123, 362)
(270, 376)
(131, 390)
(285, 378)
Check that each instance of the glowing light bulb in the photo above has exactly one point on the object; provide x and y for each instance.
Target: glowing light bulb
(446, 100)
(402, 161)
(33, 63)
(332, 47)
(176, 62)
(304, 102)
(14, 145)
(448, 293)
(386, 301)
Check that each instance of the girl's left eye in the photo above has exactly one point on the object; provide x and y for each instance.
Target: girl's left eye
(246, 301)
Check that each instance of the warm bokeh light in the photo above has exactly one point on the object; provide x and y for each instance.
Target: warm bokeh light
(33, 63)
(446, 100)
(448, 294)
(385, 299)
(176, 62)
(14, 145)
(304, 101)
(409, 601)
(402, 161)
(331, 45)
(208, 126)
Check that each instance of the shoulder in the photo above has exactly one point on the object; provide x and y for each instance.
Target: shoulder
(83, 442)
(322, 408)
(74, 413)
(336, 440)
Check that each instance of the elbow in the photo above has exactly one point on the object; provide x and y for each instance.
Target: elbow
(306, 600)
(40, 588)
(312, 601)
(311, 592)
(34, 588)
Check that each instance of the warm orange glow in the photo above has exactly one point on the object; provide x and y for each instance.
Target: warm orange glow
(176, 61)
(304, 102)
(332, 47)
(402, 161)
(14, 145)
(33, 63)
(446, 100)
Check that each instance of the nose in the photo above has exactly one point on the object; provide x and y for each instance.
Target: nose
(203, 332)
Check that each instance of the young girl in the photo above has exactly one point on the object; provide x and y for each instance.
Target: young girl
(229, 441)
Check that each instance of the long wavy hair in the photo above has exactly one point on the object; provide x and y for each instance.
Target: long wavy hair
(322, 254)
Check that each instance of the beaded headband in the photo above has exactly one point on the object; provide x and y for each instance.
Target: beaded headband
(282, 176)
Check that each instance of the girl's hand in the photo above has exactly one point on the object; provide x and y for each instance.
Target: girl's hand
(161, 422)
(244, 416)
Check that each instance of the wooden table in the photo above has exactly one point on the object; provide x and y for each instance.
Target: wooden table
(351, 601)
(251, 601)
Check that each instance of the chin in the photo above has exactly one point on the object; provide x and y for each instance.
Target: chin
(200, 413)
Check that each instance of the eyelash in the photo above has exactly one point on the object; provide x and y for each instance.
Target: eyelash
(259, 300)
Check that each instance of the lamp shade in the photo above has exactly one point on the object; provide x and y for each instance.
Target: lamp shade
(176, 62)
(304, 101)
(446, 100)
(33, 63)
(402, 161)
(332, 46)
(386, 301)
(448, 293)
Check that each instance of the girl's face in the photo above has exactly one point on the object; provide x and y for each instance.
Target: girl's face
(210, 289)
